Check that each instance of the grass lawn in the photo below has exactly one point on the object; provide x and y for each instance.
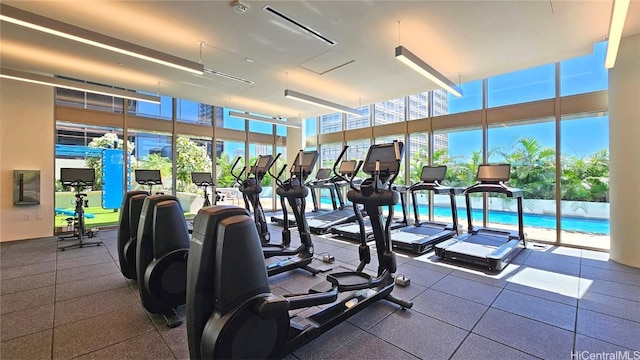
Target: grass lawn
(103, 217)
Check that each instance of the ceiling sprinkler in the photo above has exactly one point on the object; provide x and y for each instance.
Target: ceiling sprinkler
(239, 6)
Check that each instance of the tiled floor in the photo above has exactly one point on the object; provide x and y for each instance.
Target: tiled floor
(548, 304)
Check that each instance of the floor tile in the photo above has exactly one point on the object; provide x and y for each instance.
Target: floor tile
(146, 346)
(83, 307)
(26, 299)
(420, 335)
(86, 272)
(468, 289)
(26, 260)
(408, 292)
(373, 314)
(610, 265)
(26, 270)
(89, 286)
(86, 336)
(592, 273)
(553, 265)
(608, 328)
(477, 347)
(176, 340)
(34, 346)
(497, 280)
(25, 322)
(586, 346)
(448, 308)
(84, 261)
(27, 282)
(530, 336)
(625, 309)
(367, 346)
(615, 289)
(328, 342)
(532, 307)
(420, 276)
(81, 252)
(545, 284)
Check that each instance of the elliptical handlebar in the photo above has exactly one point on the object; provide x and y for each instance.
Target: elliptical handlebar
(338, 160)
(396, 149)
(277, 178)
(237, 177)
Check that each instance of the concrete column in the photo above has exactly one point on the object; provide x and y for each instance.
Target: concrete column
(295, 141)
(624, 144)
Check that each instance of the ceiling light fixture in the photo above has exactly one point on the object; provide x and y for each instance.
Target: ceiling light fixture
(620, 8)
(75, 85)
(320, 102)
(68, 31)
(297, 23)
(227, 76)
(427, 71)
(270, 120)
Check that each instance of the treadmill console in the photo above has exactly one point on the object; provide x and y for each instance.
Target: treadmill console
(323, 174)
(432, 174)
(386, 154)
(309, 159)
(348, 167)
(493, 173)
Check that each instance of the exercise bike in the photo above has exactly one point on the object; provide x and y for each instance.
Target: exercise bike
(204, 180)
(231, 311)
(251, 188)
(78, 178)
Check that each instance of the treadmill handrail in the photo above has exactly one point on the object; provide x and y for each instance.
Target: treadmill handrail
(499, 188)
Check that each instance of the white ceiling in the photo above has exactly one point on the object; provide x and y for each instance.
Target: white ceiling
(475, 39)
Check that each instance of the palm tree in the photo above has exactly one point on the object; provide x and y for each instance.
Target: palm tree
(532, 168)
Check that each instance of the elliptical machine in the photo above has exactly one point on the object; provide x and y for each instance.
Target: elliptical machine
(251, 187)
(294, 191)
(233, 314)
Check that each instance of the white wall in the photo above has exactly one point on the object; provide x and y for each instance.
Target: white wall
(624, 132)
(27, 143)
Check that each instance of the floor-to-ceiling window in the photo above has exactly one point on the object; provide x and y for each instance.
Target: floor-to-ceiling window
(193, 155)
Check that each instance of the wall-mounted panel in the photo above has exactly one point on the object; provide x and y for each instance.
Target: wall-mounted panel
(461, 120)
(585, 103)
(533, 110)
(88, 117)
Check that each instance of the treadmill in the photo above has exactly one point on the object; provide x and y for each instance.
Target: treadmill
(351, 230)
(321, 224)
(423, 236)
(322, 181)
(494, 248)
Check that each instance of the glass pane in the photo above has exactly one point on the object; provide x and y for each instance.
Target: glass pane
(356, 122)
(358, 151)
(153, 151)
(585, 180)
(311, 126)
(267, 182)
(330, 123)
(194, 112)
(91, 101)
(232, 122)
(586, 73)
(522, 86)
(99, 148)
(260, 127)
(418, 157)
(389, 111)
(328, 155)
(194, 155)
(281, 130)
(163, 111)
(530, 149)
(227, 152)
(461, 151)
(471, 100)
(418, 106)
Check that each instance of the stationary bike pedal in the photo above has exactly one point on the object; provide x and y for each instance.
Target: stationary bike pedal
(402, 280)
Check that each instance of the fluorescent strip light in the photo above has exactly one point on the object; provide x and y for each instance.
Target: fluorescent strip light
(265, 119)
(620, 8)
(297, 23)
(58, 28)
(75, 85)
(427, 71)
(227, 76)
(319, 102)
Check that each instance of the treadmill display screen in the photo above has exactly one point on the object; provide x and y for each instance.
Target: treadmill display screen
(148, 176)
(323, 174)
(386, 154)
(201, 178)
(432, 174)
(348, 167)
(69, 176)
(494, 173)
(309, 159)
